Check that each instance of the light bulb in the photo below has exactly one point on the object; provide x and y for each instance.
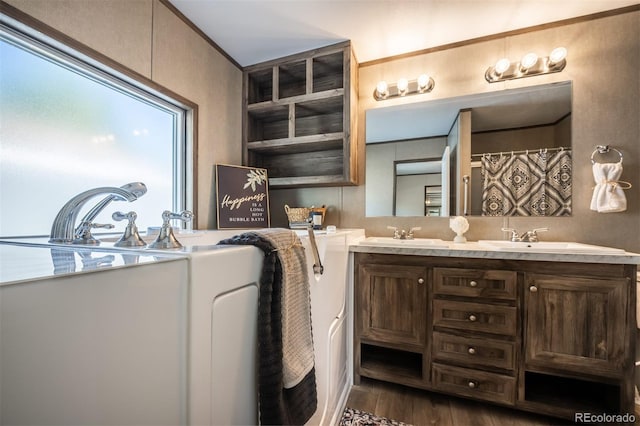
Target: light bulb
(403, 85)
(381, 89)
(423, 82)
(557, 55)
(528, 60)
(502, 65)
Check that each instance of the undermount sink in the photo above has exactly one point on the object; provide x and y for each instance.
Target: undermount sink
(548, 247)
(415, 242)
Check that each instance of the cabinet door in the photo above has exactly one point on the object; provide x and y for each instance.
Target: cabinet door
(576, 324)
(391, 303)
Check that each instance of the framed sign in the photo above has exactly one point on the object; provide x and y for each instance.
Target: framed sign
(242, 195)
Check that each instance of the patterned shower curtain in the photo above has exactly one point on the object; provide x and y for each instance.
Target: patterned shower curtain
(530, 184)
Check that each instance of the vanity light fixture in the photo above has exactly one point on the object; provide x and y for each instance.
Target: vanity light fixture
(423, 84)
(528, 66)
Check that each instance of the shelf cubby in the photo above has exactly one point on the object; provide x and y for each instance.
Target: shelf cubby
(260, 86)
(268, 124)
(319, 116)
(328, 72)
(390, 362)
(572, 394)
(292, 79)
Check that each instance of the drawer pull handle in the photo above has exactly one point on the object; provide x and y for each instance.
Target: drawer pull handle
(472, 384)
(472, 318)
(420, 280)
(473, 284)
(533, 289)
(471, 350)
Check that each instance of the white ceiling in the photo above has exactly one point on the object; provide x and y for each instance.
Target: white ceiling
(253, 31)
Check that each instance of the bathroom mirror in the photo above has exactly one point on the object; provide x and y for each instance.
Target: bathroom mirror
(425, 159)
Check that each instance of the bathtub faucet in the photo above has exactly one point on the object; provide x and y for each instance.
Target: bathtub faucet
(64, 229)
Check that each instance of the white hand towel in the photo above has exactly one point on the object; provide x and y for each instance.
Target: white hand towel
(608, 196)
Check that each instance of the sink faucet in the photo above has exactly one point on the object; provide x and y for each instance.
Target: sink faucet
(528, 236)
(401, 234)
(64, 228)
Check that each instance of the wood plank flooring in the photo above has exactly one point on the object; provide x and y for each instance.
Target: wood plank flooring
(419, 407)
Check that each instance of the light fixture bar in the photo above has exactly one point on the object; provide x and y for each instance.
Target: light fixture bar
(384, 90)
(529, 66)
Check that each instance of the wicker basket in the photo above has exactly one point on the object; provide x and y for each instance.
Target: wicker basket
(299, 216)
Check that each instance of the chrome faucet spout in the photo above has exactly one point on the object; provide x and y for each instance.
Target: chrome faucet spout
(63, 228)
(136, 188)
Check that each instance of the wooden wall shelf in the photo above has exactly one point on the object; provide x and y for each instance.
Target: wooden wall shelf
(299, 118)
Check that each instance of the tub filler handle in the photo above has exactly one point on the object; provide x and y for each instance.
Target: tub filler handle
(318, 269)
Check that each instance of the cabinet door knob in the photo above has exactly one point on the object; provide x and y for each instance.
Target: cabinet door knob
(420, 280)
(472, 384)
(533, 289)
(472, 318)
(471, 350)
(473, 283)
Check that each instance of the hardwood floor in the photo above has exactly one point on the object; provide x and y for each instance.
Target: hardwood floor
(419, 407)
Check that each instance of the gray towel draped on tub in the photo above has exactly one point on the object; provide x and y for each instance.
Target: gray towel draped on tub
(286, 371)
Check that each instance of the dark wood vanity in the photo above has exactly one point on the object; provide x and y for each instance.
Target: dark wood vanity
(549, 337)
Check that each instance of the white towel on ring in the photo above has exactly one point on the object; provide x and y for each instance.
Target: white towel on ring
(608, 196)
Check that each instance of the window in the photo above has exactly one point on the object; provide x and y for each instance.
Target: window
(69, 124)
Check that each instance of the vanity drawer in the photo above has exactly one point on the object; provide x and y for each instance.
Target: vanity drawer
(473, 351)
(475, 283)
(475, 316)
(475, 383)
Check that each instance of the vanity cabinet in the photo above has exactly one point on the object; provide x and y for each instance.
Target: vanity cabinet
(391, 326)
(581, 329)
(299, 117)
(549, 337)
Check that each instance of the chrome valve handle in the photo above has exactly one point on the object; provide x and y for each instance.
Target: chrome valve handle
(119, 216)
(185, 216)
(514, 233)
(166, 239)
(84, 233)
(415, 228)
(130, 237)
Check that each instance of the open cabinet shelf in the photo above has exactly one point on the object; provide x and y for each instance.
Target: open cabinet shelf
(299, 118)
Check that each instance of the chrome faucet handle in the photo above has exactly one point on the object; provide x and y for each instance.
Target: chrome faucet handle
(532, 236)
(130, 237)
(396, 233)
(514, 234)
(415, 228)
(166, 239)
(84, 233)
(185, 216)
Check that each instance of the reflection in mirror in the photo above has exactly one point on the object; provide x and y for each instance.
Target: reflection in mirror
(507, 153)
(418, 188)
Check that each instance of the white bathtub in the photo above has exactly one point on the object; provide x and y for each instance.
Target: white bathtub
(87, 348)
(330, 334)
(218, 367)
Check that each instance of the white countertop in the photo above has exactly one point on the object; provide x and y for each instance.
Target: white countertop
(478, 251)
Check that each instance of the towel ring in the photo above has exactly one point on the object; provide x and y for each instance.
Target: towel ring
(603, 149)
